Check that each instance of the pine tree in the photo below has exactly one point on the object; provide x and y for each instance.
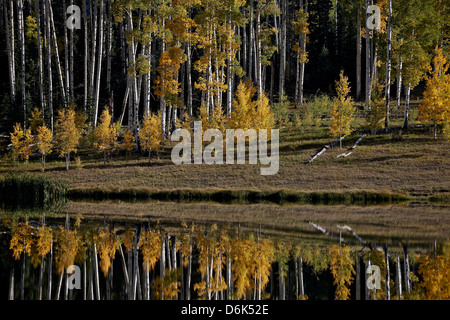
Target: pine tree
(343, 110)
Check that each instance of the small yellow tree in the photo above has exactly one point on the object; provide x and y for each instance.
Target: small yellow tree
(22, 143)
(435, 107)
(241, 115)
(67, 134)
(105, 135)
(36, 121)
(150, 135)
(44, 142)
(342, 111)
(128, 143)
(377, 117)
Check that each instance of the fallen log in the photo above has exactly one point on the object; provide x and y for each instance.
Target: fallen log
(325, 148)
(352, 148)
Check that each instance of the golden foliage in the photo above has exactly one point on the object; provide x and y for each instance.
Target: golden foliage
(341, 268)
(107, 243)
(105, 133)
(343, 109)
(150, 247)
(167, 288)
(42, 244)
(21, 240)
(68, 242)
(21, 143)
(150, 136)
(435, 273)
(435, 107)
(67, 133)
(128, 141)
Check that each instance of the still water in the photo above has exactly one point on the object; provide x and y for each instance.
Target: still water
(115, 250)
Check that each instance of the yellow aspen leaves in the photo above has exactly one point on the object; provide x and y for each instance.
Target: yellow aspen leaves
(150, 136)
(68, 243)
(341, 268)
(435, 107)
(150, 247)
(21, 143)
(105, 134)
(107, 244)
(343, 109)
(67, 134)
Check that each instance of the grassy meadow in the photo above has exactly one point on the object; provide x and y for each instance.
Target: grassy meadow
(408, 162)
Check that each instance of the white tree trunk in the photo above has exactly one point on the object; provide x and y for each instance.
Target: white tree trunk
(9, 26)
(21, 25)
(388, 65)
(283, 37)
(86, 56)
(358, 55)
(368, 54)
(407, 98)
(40, 66)
(58, 64)
(99, 63)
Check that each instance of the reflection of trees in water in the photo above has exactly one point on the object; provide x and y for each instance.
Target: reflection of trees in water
(144, 262)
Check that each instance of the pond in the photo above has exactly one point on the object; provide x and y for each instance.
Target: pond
(151, 250)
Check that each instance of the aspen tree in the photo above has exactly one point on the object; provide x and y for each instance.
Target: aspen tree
(67, 134)
(44, 143)
(105, 134)
(21, 143)
(150, 135)
(301, 29)
(343, 109)
(128, 143)
(435, 107)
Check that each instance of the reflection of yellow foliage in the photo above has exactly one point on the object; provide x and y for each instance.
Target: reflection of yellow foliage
(107, 244)
(169, 285)
(251, 259)
(21, 240)
(42, 244)
(127, 239)
(436, 277)
(150, 247)
(342, 270)
(68, 243)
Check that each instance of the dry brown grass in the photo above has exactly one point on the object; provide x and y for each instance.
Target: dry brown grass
(407, 162)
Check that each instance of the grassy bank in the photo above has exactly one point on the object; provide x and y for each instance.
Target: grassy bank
(409, 163)
(31, 191)
(229, 196)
